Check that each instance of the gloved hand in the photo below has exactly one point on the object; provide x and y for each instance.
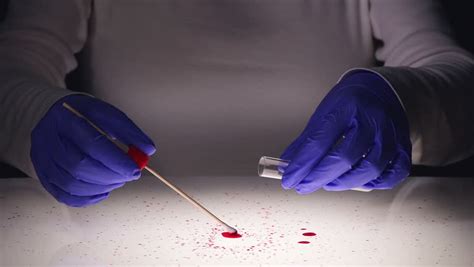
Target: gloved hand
(74, 162)
(358, 137)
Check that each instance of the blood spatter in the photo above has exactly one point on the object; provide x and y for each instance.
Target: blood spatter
(302, 229)
(231, 235)
(303, 242)
(309, 234)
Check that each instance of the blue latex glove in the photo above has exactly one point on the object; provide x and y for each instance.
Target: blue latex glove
(74, 162)
(358, 137)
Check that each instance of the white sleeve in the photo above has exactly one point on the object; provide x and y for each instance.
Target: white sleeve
(38, 40)
(433, 77)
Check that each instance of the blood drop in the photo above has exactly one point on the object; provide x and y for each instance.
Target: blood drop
(303, 242)
(309, 234)
(231, 235)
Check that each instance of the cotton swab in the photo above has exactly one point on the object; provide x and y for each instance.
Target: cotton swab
(143, 158)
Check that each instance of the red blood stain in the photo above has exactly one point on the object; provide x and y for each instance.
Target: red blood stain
(309, 234)
(303, 242)
(303, 229)
(140, 158)
(231, 235)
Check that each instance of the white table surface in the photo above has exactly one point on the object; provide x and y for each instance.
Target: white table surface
(425, 221)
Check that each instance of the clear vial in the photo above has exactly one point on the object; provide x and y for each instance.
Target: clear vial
(269, 167)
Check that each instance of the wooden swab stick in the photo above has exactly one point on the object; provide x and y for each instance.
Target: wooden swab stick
(190, 199)
(153, 172)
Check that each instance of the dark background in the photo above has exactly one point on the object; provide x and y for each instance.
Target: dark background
(459, 14)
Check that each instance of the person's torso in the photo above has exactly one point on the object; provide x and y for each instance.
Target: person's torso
(218, 83)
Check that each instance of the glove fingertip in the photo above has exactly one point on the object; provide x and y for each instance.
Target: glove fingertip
(136, 174)
(287, 181)
(369, 185)
(149, 149)
(285, 186)
(146, 146)
(304, 190)
(330, 188)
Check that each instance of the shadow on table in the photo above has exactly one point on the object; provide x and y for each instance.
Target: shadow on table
(451, 199)
(7, 171)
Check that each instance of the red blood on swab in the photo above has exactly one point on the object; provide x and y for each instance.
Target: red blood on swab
(140, 158)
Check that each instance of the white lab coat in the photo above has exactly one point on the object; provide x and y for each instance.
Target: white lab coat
(218, 83)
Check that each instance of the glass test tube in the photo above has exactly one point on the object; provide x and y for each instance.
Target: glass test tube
(274, 168)
(271, 167)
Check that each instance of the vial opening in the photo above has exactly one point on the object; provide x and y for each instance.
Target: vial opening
(261, 166)
(271, 167)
